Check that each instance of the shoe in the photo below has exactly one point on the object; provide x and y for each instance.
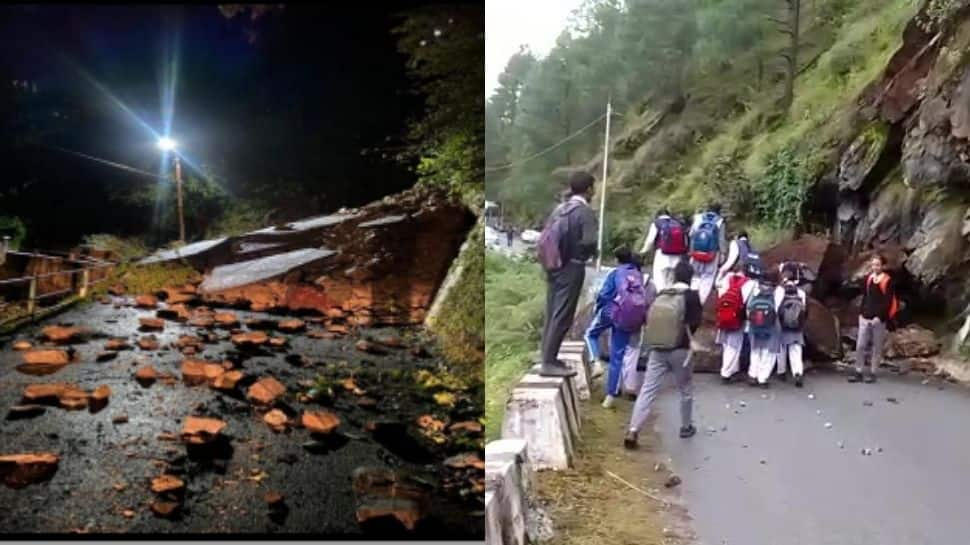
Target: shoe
(764, 385)
(608, 402)
(558, 369)
(856, 377)
(630, 440)
(726, 380)
(798, 381)
(597, 371)
(783, 377)
(752, 382)
(687, 431)
(870, 378)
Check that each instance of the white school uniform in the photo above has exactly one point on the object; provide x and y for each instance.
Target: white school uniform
(733, 341)
(790, 342)
(663, 264)
(706, 273)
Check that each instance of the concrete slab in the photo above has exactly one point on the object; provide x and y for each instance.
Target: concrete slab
(539, 415)
(493, 520)
(247, 272)
(571, 398)
(502, 479)
(188, 250)
(581, 381)
(517, 450)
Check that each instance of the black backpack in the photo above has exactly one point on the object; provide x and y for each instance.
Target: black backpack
(791, 311)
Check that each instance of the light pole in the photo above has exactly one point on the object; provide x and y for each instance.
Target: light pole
(167, 144)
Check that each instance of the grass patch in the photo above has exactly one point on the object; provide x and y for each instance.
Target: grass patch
(514, 299)
(127, 249)
(139, 279)
(460, 325)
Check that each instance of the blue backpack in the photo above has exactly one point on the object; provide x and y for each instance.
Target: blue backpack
(705, 242)
(750, 260)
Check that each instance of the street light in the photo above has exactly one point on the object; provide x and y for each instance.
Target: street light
(167, 144)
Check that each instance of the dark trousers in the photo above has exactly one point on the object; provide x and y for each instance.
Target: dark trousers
(562, 294)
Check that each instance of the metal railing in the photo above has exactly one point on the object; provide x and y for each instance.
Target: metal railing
(79, 289)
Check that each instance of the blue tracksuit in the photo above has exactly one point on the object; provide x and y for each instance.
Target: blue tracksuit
(601, 322)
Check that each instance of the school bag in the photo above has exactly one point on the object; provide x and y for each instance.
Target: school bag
(672, 238)
(549, 247)
(704, 243)
(750, 260)
(791, 311)
(730, 305)
(665, 320)
(761, 313)
(629, 310)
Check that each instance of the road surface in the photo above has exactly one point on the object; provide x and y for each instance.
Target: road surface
(769, 471)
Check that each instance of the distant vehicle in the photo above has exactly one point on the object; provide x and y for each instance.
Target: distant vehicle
(530, 236)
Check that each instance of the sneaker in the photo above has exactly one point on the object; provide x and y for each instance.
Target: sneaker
(608, 402)
(783, 377)
(798, 381)
(855, 377)
(688, 431)
(597, 370)
(558, 369)
(764, 385)
(870, 378)
(752, 381)
(726, 380)
(630, 440)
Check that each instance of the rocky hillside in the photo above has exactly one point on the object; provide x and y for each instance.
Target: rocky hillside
(874, 152)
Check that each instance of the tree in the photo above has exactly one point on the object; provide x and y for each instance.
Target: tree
(505, 100)
(790, 27)
(445, 47)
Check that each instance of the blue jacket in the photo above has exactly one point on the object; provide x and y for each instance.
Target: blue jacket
(608, 290)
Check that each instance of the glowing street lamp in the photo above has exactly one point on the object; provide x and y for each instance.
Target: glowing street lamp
(168, 145)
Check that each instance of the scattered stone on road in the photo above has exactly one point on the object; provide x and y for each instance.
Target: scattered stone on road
(466, 460)
(322, 422)
(146, 301)
(148, 342)
(227, 381)
(391, 341)
(265, 391)
(370, 348)
(291, 325)
(151, 324)
(672, 481)
(22, 345)
(226, 319)
(46, 357)
(146, 375)
(252, 338)
(276, 419)
(195, 372)
(120, 419)
(99, 398)
(892, 400)
(385, 493)
(117, 344)
(20, 470)
(178, 313)
(62, 335)
(25, 411)
(167, 484)
(165, 509)
(199, 430)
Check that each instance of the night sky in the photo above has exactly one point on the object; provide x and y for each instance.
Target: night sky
(318, 85)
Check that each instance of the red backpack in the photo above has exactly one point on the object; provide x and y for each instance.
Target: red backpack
(672, 238)
(730, 305)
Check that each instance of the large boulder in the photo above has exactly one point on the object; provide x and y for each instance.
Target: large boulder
(822, 340)
(820, 255)
(912, 341)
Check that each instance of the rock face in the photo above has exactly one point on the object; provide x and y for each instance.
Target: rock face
(821, 256)
(822, 337)
(380, 264)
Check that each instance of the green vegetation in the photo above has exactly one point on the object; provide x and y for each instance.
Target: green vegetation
(514, 299)
(16, 229)
(461, 322)
(139, 279)
(127, 249)
(723, 126)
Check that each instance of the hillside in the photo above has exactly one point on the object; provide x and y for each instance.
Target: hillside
(872, 151)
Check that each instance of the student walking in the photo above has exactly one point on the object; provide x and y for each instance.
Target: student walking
(621, 306)
(792, 305)
(668, 236)
(733, 292)
(566, 243)
(741, 251)
(879, 306)
(763, 331)
(673, 317)
(707, 240)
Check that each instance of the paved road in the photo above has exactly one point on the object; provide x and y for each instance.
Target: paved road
(810, 491)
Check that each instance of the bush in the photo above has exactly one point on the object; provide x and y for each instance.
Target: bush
(15, 229)
(460, 325)
(237, 218)
(844, 59)
(780, 193)
(127, 249)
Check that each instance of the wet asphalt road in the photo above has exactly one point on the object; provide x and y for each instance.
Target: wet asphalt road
(809, 491)
(226, 493)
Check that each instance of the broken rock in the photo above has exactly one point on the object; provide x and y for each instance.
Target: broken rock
(226, 319)
(196, 372)
(384, 493)
(178, 313)
(146, 301)
(25, 411)
(99, 398)
(20, 470)
(265, 391)
(151, 323)
(148, 342)
(227, 380)
(146, 375)
(62, 335)
(252, 338)
(46, 357)
(322, 422)
(912, 341)
(276, 419)
(167, 484)
(117, 344)
(292, 325)
(199, 430)
(22, 345)
(165, 509)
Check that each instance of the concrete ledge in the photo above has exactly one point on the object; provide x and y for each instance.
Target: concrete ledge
(516, 450)
(572, 355)
(502, 479)
(569, 395)
(493, 520)
(539, 415)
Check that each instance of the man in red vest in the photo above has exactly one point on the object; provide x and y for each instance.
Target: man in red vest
(879, 306)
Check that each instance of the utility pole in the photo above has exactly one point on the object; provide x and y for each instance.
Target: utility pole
(178, 190)
(606, 158)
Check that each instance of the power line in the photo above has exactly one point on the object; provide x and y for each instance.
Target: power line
(547, 150)
(109, 163)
